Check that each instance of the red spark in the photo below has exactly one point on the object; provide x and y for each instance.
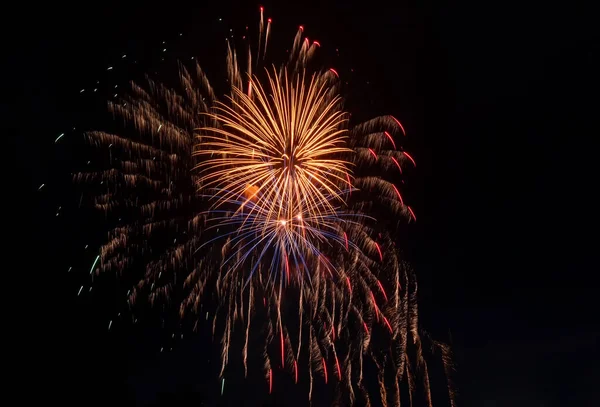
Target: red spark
(373, 152)
(397, 164)
(270, 381)
(346, 240)
(316, 43)
(375, 305)
(382, 290)
(301, 28)
(391, 139)
(337, 363)
(335, 72)
(398, 193)
(325, 370)
(379, 250)
(282, 349)
(412, 213)
(388, 324)
(296, 370)
(410, 158)
(399, 124)
(366, 327)
(333, 332)
(262, 9)
(269, 20)
(349, 285)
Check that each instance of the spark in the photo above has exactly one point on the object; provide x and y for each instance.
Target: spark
(412, 214)
(397, 164)
(390, 138)
(382, 290)
(337, 364)
(95, 261)
(398, 193)
(40, 187)
(379, 251)
(399, 124)
(410, 158)
(387, 323)
(222, 385)
(59, 137)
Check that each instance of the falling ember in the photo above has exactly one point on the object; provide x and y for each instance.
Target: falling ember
(337, 364)
(373, 152)
(59, 137)
(398, 193)
(296, 371)
(379, 251)
(410, 158)
(282, 350)
(335, 72)
(382, 290)
(324, 369)
(412, 213)
(41, 186)
(387, 323)
(94, 265)
(270, 381)
(390, 138)
(397, 164)
(375, 306)
(399, 124)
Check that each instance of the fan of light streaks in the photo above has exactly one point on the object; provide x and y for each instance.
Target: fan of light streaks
(262, 202)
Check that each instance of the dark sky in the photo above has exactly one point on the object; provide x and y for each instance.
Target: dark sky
(500, 102)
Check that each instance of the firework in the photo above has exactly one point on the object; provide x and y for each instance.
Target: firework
(261, 202)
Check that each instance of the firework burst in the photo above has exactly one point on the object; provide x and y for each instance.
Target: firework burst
(261, 203)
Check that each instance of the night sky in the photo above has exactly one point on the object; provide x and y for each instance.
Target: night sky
(500, 102)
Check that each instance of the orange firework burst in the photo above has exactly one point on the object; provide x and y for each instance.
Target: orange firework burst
(269, 192)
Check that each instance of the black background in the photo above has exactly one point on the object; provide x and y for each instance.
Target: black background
(500, 104)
